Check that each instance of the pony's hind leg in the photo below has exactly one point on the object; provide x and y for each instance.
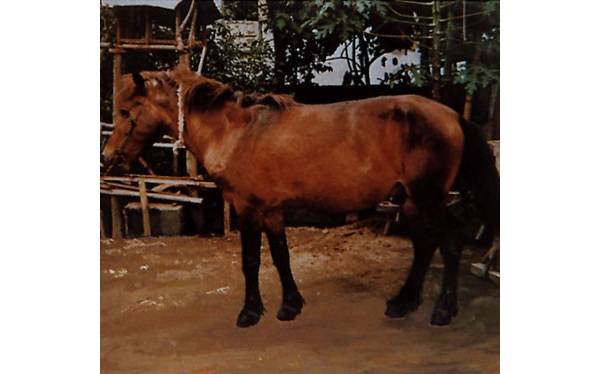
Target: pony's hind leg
(292, 301)
(253, 306)
(451, 248)
(408, 299)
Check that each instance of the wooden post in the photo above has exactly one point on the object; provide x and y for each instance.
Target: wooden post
(352, 217)
(115, 210)
(102, 233)
(191, 164)
(182, 53)
(145, 207)
(226, 217)
(175, 162)
(117, 72)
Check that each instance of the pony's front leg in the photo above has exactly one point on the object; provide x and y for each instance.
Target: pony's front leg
(292, 301)
(253, 306)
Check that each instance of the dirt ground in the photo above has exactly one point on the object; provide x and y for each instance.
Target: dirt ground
(169, 305)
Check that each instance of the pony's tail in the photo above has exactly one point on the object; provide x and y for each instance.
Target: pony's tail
(478, 179)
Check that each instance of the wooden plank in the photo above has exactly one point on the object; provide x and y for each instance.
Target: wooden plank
(115, 210)
(111, 185)
(482, 271)
(145, 207)
(159, 196)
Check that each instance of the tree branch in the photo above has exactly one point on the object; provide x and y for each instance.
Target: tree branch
(396, 36)
(416, 3)
(447, 4)
(413, 23)
(406, 16)
(462, 17)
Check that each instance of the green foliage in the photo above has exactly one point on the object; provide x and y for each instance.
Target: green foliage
(410, 75)
(309, 32)
(466, 33)
(245, 64)
(475, 76)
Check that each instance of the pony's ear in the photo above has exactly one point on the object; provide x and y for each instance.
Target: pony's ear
(139, 83)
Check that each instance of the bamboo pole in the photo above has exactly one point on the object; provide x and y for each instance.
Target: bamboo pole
(202, 58)
(175, 181)
(145, 207)
(436, 52)
(160, 196)
(226, 217)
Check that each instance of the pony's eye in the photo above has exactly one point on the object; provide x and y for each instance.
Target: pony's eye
(124, 113)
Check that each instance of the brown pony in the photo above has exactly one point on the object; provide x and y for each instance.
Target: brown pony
(269, 153)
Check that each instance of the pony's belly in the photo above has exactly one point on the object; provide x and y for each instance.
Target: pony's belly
(337, 200)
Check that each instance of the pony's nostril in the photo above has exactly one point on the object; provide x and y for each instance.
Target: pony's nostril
(106, 158)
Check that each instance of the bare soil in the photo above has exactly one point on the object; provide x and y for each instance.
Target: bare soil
(169, 305)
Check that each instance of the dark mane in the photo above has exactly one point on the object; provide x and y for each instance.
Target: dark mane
(201, 93)
(273, 101)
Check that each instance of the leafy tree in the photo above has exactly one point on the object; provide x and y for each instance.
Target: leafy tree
(246, 64)
(306, 33)
(458, 40)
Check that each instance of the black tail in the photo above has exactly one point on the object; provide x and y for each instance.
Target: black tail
(478, 179)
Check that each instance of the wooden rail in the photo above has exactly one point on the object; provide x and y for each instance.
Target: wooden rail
(138, 186)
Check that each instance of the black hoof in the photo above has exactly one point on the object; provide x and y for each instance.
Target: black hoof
(288, 313)
(248, 318)
(397, 308)
(443, 316)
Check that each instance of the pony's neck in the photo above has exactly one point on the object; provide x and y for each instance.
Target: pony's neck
(212, 137)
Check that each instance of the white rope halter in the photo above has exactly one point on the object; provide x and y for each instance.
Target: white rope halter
(180, 122)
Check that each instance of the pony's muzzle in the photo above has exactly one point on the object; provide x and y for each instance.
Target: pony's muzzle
(114, 163)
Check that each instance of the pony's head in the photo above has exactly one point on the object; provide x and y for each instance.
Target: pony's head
(146, 109)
